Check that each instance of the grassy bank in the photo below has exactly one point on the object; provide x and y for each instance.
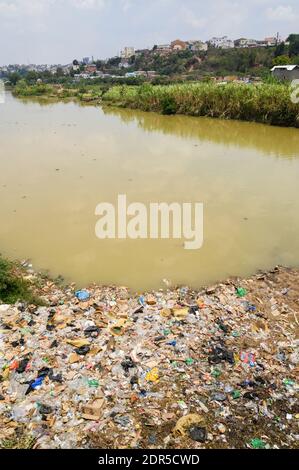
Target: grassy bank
(13, 286)
(266, 103)
(87, 93)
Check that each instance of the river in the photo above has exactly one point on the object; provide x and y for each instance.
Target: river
(59, 160)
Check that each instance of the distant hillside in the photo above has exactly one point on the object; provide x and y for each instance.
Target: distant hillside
(215, 62)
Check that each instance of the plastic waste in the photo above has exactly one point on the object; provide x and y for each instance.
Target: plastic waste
(241, 292)
(122, 370)
(258, 443)
(82, 295)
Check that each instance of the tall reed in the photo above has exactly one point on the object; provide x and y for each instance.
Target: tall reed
(266, 103)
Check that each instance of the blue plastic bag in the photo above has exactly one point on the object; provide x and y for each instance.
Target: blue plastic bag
(82, 295)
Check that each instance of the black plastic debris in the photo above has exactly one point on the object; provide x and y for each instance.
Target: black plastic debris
(92, 331)
(251, 395)
(223, 327)
(45, 409)
(134, 380)
(44, 372)
(83, 350)
(198, 434)
(22, 365)
(193, 309)
(128, 364)
(220, 354)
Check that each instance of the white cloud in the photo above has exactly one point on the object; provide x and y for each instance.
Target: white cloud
(7, 9)
(126, 5)
(40, 7)
(191, 19)
(18, 8)
(282, 13)
(88, 4)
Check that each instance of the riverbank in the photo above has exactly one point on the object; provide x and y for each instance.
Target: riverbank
(86, 93)
(182, 368)
(263, 103)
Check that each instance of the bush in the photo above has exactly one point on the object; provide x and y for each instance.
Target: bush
(168, 105)
(12, 286)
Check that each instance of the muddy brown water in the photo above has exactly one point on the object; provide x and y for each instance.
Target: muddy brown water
(59, 160)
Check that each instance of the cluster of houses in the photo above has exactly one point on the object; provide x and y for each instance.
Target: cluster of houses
(196, 45)
(90, 71)
(7, 69)
(226, 43)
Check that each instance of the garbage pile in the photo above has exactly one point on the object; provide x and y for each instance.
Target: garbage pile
(103, 368)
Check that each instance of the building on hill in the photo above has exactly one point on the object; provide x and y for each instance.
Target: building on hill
(273, 41)
(140, 52)
(286, 72)
(90, 68)
(197, 46)
(178, 45)
(127, 52)
(222, 43)
(243, 42)
(124, 64)
(163, 49)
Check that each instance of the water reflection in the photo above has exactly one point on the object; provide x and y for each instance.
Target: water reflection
(277, 141)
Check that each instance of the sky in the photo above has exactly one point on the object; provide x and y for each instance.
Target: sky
(58, 31)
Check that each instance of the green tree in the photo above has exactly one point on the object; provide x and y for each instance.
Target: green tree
(281, 60)
(14, 77)
(293, 39)
(280, 49)
(59, 72)
(32, 76)
(114, 62)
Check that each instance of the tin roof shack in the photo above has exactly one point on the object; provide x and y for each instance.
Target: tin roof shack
(286, 72)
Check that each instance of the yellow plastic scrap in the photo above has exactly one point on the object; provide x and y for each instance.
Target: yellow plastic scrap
(118, 328)
(78, 343)
(166, 313)
(5, 373)
(186, 422)
(236, 358)
(180, 313)
(153, 375)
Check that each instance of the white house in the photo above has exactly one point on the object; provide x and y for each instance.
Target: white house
(273, 41)
(197, 46)
(222, 43)
(127, 52)
(243, 42)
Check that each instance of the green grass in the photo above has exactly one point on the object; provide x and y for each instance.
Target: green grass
(265, 103)
(13, 287)
(40, 89)
(81, 92)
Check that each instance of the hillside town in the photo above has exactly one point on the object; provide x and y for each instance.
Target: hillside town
(89, 68)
